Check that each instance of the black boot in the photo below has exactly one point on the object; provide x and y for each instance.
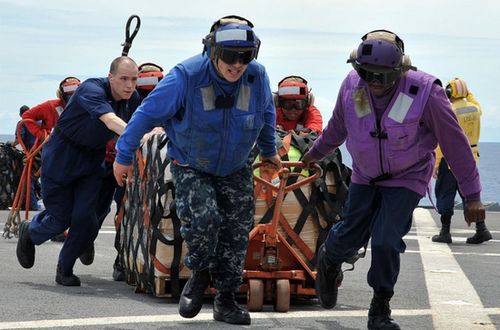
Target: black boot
(25, 249)
(329, 276)
(87, 257)
(227, 310)
(482, 234)
(191, 299)
(66, 280)
(444, 235)
(379, 315)
(118, 270)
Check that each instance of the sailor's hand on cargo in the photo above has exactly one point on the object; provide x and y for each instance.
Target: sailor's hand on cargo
(474, 212)
(121, 173)
(273, 162)
(154, 131)
(308, 160)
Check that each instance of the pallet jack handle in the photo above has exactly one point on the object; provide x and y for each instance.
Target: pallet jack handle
(284, 173)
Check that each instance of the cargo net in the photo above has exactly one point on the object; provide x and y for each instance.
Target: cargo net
(11, 165)
(151, 248)
(308, 212)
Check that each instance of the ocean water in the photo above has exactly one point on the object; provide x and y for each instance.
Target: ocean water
(488, 169)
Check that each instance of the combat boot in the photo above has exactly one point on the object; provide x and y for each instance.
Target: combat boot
(227, 310)
(379, 315)
(25, 249)
(118, 271)
(329, 276)
(66, 280)
(87, 257)
(444, 235)
(482, 234)
(191, 299)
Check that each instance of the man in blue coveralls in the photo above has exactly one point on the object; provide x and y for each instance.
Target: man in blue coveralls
(149, 76)
(73, 168)
(214, 107)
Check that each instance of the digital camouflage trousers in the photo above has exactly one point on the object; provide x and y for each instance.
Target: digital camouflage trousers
(217, 214)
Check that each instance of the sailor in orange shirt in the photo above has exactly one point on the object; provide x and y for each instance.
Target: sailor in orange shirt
(295, 110)
(44, 116)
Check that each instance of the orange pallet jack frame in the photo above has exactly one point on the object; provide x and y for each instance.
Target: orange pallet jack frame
(23, 190)
(273, 269)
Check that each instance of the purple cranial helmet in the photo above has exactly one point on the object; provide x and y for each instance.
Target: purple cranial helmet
(379, 52)
(380, 56)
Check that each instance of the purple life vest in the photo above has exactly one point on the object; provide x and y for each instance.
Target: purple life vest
(400, 144)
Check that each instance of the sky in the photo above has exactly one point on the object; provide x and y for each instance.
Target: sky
(44, 41)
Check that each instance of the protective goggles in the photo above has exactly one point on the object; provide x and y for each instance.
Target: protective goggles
(385, 77)
(293, 104)
(233, 55)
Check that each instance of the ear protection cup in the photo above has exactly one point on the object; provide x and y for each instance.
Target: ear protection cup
(275, 98)
(352, 59)
(310, 99)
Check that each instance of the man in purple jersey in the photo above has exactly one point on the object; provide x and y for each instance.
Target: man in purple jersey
(391, 117)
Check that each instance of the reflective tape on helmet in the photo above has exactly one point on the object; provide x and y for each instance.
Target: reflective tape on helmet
(289, 90)
(70, 87)
(147, 81)
(458, 88)
(230, 35)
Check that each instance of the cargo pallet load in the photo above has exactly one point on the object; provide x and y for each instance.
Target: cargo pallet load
(152, 249)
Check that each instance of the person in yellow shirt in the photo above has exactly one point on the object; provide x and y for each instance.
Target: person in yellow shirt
(468, 112)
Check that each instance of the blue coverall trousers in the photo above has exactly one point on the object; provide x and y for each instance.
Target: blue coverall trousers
(383, 214)
(72, 205)
(446, 189)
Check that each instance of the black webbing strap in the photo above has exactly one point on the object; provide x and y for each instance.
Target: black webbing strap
(129, 38)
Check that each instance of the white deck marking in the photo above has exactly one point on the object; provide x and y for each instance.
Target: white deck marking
(454, 302)
(203, 317)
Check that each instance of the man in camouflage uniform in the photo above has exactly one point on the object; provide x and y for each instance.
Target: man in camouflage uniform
(214, 106)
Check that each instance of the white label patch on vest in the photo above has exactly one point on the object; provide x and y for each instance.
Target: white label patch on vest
(400, 108)
(361, 103)
(243, 102)
(208, 97)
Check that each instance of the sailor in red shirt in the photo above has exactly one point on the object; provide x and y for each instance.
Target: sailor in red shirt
(295, 110)
(44, 116)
